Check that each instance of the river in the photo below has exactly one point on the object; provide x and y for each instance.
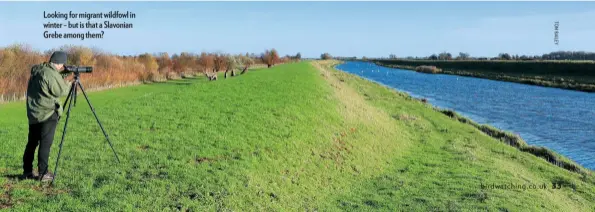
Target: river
(561, 120)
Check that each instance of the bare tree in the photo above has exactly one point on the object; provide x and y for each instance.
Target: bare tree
(504, 56)
(444, 56)
(207, 61)
(463, 56)
(246, 63)
(231, 64)
(270, 57)
(165, 62)
(326, 56)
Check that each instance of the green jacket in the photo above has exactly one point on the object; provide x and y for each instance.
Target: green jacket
(46, 86)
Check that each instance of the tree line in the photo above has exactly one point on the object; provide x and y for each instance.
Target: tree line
(117, 70)
(557, 55)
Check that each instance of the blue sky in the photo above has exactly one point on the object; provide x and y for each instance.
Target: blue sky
(341, 28)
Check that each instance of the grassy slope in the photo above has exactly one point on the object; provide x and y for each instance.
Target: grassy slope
(449, 161)
(288, 138)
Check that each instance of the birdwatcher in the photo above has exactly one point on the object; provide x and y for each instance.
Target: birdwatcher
(46, 84)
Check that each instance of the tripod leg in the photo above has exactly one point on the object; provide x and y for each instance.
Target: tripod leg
(63, 134)
(100, 125)
(68, 97)
(74, 96)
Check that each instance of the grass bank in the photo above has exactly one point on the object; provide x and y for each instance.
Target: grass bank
(517, 142)
(299, 136)
(570, 75)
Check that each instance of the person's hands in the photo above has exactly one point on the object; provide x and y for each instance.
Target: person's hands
(68, 77)
(64, 76)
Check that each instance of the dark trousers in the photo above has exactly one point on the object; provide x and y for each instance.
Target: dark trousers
(42, 135)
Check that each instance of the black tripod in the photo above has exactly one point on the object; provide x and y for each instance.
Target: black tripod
(70, 99)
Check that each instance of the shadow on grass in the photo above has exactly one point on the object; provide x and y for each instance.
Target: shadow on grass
(7, 194)
(184, 81)
(14, 177)
(179, 83)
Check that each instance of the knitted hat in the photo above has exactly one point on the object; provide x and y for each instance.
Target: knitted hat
(58, 57)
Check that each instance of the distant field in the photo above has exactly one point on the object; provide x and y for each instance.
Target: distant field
(574, 75)
(294, 137)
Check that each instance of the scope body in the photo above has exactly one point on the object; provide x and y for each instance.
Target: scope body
(79, 69)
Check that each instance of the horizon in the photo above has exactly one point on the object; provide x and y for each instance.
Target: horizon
(345, 29)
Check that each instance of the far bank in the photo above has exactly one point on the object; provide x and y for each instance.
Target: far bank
(577, 75)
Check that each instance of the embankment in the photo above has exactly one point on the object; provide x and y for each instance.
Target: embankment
(577, 75)
(446, 143)
(298, 136)
(518, 143)
(510, 138)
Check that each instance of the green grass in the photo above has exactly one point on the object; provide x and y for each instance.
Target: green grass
(294, 137)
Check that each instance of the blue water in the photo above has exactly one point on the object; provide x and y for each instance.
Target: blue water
(561, 120)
